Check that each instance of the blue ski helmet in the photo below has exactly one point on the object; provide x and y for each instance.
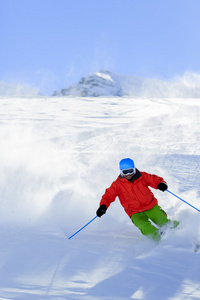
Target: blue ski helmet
(126, 163)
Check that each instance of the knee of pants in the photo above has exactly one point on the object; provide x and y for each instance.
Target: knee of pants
(150, 231)
(158, 216)
(146, 228)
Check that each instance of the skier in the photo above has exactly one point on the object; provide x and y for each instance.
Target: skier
(132, 188)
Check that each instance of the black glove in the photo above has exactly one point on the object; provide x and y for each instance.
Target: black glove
(101, 210)
(162, 186)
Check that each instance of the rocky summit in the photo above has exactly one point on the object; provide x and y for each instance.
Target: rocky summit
(103, 83)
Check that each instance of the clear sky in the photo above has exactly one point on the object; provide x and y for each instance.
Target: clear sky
(50, 44)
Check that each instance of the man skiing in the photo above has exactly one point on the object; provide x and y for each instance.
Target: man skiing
(132, 188)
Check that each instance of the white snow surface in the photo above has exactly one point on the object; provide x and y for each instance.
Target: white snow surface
(57, 157)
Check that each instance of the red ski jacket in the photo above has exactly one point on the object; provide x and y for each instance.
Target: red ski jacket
(134, 196)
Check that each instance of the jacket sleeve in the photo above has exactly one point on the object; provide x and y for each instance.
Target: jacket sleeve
(110, 195)
(152, 180)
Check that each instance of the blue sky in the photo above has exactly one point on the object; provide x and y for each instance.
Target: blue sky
(49, 44)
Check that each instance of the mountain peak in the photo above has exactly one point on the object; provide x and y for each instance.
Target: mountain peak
(108, 84)
(102, 83)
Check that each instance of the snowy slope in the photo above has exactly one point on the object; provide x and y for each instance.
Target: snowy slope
(57, 156)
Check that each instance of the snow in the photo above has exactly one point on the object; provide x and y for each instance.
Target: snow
(57, 156)
(17, 90)
(104, 76)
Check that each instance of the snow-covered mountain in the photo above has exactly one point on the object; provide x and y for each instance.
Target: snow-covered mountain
(102, 83)
(106, 83)
(109, 84)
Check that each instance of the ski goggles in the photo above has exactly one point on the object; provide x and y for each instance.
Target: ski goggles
(128, 171)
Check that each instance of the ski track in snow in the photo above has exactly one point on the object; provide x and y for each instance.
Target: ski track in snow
(57, 156)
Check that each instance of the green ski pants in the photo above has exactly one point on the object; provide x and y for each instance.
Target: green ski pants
(157, 216)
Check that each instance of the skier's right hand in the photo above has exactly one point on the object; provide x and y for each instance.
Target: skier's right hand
(101, 210)
(162, 186)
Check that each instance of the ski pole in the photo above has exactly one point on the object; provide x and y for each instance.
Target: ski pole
(82, 228)
(183, 201)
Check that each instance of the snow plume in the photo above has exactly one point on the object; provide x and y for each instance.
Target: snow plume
(186, 86)
(106, 83)
(26, 180)
(16, 90)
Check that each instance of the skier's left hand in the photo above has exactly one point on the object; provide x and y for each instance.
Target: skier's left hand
(162, 186)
